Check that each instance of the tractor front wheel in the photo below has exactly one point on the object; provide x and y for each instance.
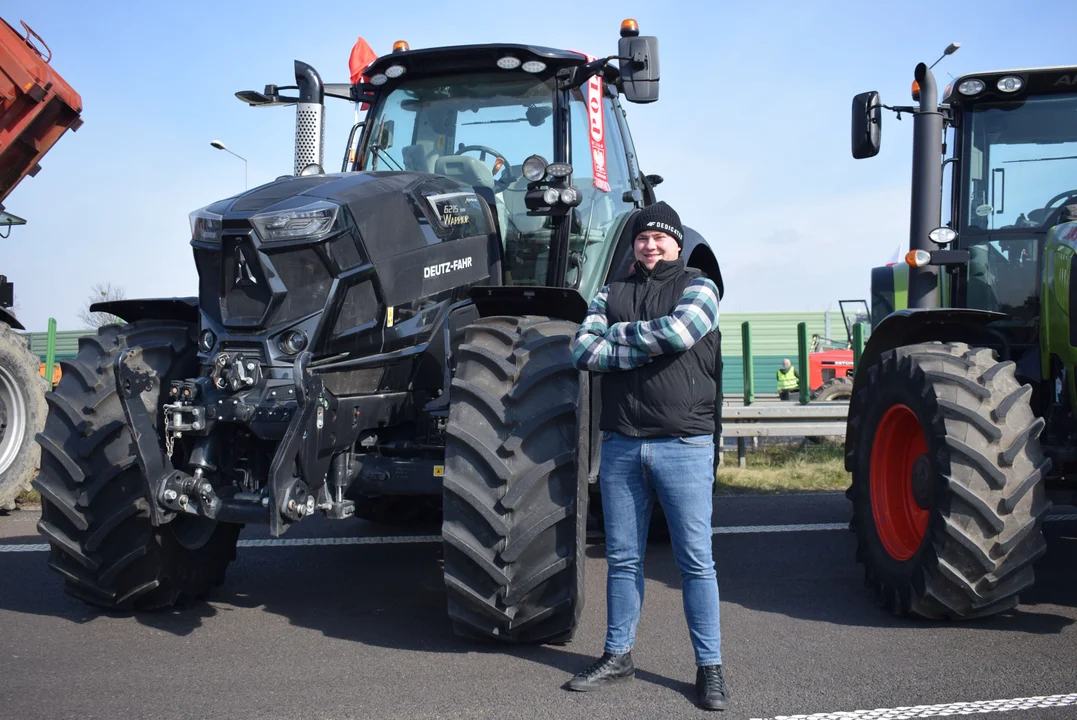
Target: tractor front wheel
(515, 493)
(948, 494)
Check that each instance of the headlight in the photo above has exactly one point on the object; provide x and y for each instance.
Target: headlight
(293, 342)
(306, 222)
(551, 195)
(205, 226)
(1010, 83)
(534, 168)
(206, 341)
(942, 235)
(971, 87)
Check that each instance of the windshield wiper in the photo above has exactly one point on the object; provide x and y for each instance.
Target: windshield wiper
(495, 122)
(1067, 157)
(379, 153)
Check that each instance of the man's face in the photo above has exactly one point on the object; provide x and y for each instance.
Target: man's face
(651, 246)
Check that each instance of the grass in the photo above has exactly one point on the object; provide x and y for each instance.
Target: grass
(783, 468)
(28, 497)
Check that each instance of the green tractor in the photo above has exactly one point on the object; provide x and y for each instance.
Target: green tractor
(961, 428)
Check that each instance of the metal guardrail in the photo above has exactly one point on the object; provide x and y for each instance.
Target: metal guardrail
(782, 419)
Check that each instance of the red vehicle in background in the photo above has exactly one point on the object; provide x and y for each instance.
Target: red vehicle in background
(36, 107)
(830, 363)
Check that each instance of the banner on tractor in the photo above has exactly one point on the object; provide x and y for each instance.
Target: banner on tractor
(597, 130)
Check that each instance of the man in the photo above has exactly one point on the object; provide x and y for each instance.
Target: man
(787, 379)
(655, 336)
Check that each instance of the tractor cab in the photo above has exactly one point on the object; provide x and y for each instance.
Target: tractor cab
(538, 133)
(1015, 173)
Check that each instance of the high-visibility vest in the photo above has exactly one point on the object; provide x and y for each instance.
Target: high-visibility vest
(787, 380)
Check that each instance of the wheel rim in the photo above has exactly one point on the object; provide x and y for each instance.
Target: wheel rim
(899, 441)
(14, 402)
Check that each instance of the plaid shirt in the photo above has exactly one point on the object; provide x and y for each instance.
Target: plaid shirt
(624, 346)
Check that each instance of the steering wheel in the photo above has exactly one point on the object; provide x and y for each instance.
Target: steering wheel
(1049, 208)
(499, 163)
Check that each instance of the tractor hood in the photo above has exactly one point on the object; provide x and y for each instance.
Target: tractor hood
(333, 256)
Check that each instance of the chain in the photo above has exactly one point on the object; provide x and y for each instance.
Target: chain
(170, 443)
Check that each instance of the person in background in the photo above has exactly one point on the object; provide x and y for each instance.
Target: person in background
(787, 379)
(654, 336)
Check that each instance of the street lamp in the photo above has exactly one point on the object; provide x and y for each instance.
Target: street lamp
(220, 146)
(950, 50)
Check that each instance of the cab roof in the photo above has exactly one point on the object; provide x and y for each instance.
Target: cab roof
(472, 58)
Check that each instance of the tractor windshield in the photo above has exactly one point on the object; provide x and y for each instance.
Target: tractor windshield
(1020, 162)
(478, 129)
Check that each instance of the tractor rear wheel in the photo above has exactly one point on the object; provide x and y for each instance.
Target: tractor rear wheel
(515, 493)
(95, 503)
(22, 415)
(833, 390)
(948, 493)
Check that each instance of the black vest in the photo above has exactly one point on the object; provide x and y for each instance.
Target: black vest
(673, 395)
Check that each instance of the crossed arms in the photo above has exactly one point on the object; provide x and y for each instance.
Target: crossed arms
(602, 347)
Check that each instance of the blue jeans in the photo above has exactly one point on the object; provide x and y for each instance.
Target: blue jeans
(680, 470)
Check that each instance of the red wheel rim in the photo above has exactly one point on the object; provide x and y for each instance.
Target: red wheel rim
(900, 522)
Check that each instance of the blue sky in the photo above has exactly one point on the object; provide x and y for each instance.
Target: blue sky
(751, 131)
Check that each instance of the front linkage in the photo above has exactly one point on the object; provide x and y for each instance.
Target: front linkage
(198, 406)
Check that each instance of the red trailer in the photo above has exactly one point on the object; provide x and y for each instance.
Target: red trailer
(36, 107)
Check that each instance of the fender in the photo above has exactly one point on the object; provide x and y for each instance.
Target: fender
(911, 326)
(11, 320)
(561, 303)
(184, 309)
(699, 253)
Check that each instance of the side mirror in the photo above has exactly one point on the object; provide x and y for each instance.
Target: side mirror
(386, 140)
(639, 68)
(867, 125)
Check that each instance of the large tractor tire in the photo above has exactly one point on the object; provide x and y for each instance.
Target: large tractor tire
(515, 495)
(22, 415)
(95, 503)
(948, 482)
(834, 390)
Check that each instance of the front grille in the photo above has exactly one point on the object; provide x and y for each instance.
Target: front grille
(359, 308)
(306, 280)
(247, 292)
(353, 382)
(208, 264)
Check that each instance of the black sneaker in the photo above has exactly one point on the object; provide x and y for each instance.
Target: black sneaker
(710, 688)
(607, 670)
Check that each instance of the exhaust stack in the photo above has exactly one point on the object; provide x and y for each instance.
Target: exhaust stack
(309, 118)
(926, 188)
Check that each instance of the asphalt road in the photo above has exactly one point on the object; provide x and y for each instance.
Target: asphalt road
(359, 631)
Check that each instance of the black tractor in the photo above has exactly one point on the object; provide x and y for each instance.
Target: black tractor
(368, 342)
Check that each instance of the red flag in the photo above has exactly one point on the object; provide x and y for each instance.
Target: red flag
(362, 55)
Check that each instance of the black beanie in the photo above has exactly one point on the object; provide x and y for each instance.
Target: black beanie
(660, 217)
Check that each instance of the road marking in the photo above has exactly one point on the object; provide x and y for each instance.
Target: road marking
(746, 529)
(419, 539)
(979, 707)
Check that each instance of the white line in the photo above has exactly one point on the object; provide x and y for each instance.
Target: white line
(417, 539)
(299, 542)
(979, 707)
(746, 529)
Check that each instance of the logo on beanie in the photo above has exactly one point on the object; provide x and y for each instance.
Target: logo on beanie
(664, 227)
